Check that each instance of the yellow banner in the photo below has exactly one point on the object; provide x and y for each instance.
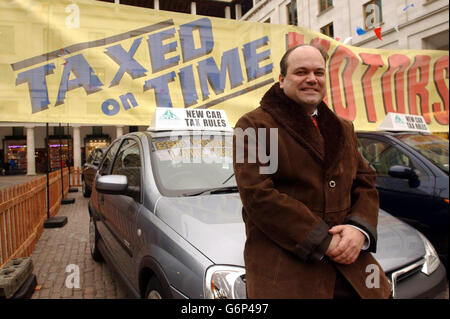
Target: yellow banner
(93, 62)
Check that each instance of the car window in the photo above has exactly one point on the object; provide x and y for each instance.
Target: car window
(186, 164)
(382, 156)
(98, 155)
(90, 158)
(434, 148)
(128, 163)
(106, 165)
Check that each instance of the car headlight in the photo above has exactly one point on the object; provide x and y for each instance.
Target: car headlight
(431, 258)
(225, 282)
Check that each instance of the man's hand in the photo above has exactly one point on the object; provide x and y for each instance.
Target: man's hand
(349, 246)
(334, 243)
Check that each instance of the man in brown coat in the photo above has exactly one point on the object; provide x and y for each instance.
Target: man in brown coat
(311, 224)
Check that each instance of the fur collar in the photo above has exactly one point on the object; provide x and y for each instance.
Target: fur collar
(298, 123)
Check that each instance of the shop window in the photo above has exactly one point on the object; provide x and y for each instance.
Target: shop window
(328, 30)
(325, 4)
(291, 11)
(372, 14)
(16, 156)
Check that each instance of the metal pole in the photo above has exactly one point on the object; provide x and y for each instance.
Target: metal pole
(61, 162)
(57, 221)
(68, 150)
(70, 159)
(48, 169)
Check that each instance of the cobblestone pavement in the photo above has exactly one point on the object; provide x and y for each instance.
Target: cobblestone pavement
(69, 245)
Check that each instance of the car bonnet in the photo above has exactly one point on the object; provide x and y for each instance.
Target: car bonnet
(213, 224)
(398, 243)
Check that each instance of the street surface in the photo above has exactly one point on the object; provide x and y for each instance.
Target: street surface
(60, 247)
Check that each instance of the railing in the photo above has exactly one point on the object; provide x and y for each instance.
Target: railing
(75, 176)
(23, 212)
(54, 187)
(22, 215)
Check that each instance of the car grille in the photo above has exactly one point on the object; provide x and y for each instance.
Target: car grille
(395, 277)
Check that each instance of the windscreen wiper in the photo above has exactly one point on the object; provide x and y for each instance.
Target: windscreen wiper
(217, 190)
(228, 178)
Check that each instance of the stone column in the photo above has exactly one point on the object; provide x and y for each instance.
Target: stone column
(76, 147)
(119, 131)
(227, 12)
(31, 162)
(238, 11)
(193, 7)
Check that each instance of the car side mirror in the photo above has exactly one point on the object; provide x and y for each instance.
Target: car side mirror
(398, 171)
(111, 184)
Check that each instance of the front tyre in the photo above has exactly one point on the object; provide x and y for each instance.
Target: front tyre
(85, 190)
(93, 240)
(154, 290)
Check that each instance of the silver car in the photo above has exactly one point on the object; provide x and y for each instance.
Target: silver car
(165, 213)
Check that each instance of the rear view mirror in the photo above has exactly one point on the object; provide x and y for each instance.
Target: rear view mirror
(111, 184)
(399, 171)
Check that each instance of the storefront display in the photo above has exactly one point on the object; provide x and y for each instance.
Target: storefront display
(93, 142)
(55, 149)
(16, 156)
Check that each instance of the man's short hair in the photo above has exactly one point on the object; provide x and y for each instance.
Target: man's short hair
(283, 62)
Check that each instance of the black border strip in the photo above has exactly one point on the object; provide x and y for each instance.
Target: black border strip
(92, 44)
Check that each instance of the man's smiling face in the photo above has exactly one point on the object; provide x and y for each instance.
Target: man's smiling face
(304, 81)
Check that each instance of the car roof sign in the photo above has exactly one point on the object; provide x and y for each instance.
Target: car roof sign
(169, 119)
(399, 122)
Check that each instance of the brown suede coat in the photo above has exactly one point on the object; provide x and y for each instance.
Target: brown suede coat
(287, 214)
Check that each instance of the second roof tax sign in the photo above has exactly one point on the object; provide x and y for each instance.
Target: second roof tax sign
(95, 62)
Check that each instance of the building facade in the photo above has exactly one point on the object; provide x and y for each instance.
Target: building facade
(422, 24)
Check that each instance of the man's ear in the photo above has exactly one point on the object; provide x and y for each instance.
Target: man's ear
(281, 79)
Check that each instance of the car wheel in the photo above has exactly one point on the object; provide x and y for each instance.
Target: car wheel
(155, 290)
(93, 240)
(86, 191)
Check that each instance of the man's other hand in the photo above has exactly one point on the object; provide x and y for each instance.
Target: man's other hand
(349, 246)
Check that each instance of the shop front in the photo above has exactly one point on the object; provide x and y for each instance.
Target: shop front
(91, 142)
(15, 155)
(60, 150)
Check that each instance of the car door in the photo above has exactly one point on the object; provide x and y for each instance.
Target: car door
(124, 209)
(105, 215)
(410, 200)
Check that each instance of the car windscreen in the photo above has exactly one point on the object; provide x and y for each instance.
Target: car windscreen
(186, 165)
(434, 148)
